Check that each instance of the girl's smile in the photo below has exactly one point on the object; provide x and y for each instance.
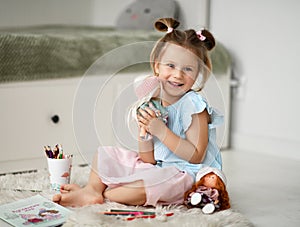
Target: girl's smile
(174, 84)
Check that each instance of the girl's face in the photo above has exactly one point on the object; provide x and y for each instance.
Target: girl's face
(177, 69)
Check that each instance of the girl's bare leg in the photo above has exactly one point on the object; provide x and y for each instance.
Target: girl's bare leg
(74, 196)
(94, 192)
(130, 194)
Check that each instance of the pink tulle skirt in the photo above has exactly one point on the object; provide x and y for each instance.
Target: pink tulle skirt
(118, 166)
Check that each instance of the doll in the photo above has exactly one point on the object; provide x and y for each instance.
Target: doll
(147, 92)
(209, 192)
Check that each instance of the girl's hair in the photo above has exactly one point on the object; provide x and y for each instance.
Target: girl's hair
(223, 194)
(188, 39)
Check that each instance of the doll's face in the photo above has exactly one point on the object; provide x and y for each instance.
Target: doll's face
(210, 180)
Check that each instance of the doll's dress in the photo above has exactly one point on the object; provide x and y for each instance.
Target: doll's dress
(160, 112)
(204, 198)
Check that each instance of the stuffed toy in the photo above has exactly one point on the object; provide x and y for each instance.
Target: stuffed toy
(147, 92)
(141, 14)
(209, 192)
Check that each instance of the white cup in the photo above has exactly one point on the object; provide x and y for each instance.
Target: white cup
(59, 171)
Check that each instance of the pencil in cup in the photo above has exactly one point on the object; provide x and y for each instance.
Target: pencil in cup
(59, 167)
(56, 153)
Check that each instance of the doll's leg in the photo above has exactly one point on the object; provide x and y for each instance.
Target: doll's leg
(143, 133)
(208, 208)
(130, 194)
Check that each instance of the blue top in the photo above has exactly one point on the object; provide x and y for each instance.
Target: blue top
(179, 120)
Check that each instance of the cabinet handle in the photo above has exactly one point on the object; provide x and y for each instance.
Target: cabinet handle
(55, 119)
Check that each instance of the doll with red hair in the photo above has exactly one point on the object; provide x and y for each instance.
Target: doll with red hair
(209, 192)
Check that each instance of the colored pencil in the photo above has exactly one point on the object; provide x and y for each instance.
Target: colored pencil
(140, 211)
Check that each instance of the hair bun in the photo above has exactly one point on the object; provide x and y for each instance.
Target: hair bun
(163, 24)
(209, 42)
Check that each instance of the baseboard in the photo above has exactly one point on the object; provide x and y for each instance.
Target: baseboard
(267, 145)
(33, 164)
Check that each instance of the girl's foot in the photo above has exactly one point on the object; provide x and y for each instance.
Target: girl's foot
(80, 197)
(66, 188)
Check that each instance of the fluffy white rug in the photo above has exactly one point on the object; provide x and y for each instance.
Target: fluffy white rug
(18, 186)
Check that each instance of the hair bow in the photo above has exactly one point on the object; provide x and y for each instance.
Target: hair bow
(170, 30)
(200, 36)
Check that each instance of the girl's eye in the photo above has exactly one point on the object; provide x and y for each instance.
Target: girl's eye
(188, 69)
(170, 65)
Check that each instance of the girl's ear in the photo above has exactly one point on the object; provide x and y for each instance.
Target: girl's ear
(156, 68)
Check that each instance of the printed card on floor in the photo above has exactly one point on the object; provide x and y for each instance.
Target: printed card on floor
(36, 210)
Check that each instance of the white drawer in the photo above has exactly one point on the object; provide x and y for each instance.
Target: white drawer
(34, 114)
(26, 116)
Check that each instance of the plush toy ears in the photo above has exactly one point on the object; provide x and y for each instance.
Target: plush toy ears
(205, 170)
(141, 14)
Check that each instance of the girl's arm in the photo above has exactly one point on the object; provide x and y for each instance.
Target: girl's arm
(146, 151)
(193, 148)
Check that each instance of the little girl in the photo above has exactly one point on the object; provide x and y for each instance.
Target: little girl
(166, 165)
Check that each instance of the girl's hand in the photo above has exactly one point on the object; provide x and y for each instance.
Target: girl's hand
(148, 120)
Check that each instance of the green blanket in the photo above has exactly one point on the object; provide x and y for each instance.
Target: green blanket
(60, 51)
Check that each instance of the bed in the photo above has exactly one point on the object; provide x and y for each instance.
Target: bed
(58, 51)
(41, 68)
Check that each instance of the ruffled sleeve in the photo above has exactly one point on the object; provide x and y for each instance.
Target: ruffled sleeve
(216, 117)
(194, 103)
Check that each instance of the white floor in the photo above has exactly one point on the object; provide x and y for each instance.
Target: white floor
(264, 188)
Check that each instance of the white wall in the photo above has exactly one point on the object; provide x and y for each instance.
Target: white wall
(37, 12)
(263, 38)
(108, 15)
(84, 12)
